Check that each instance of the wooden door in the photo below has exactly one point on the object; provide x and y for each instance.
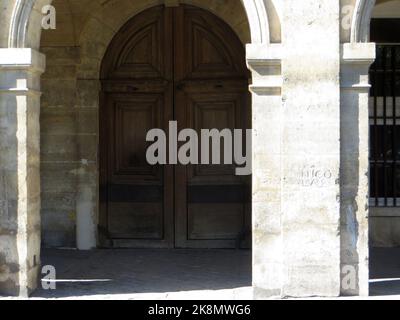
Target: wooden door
(212, 204)
(137, 87)
(166, 64)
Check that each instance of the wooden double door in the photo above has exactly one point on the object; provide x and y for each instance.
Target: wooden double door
(171, 64)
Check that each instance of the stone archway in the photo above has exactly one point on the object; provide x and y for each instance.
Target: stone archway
(361, 20)
(360, 26)
(297, 248)
(23, 17)
(23, 64)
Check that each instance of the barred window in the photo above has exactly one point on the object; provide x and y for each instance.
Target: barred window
(384, 114)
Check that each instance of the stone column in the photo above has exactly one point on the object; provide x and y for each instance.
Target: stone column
(310, 212)
(356, 60)
(20, 71)
(265, 63)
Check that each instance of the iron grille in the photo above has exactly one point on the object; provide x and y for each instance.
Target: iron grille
(384, 115)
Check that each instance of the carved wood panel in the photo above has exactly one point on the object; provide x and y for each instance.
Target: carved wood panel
(183, 64)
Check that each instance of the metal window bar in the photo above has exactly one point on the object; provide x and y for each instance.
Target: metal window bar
(384, 117)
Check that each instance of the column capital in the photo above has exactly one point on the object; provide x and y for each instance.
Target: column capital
(356, 59)
(358, 53)
(22, 59)
(20, 70)
(265, 61)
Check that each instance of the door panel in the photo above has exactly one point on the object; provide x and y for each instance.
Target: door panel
(133, 116)
(206, 47)
(135, 189)
(166, 64)
(136, 198)
(211, 202)
(214, 110)
(139, 198)
(141, 49)
(214, 221)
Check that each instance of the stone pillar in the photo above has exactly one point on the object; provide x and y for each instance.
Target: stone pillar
(310, 211)
(265, 63)
(87, 174)
(356, 60)
(20, 71)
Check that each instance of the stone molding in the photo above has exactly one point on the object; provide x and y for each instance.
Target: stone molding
(361, 21)
(19, 23)
(18, 61)
(22, 59)
(356, 59)
(265, 62)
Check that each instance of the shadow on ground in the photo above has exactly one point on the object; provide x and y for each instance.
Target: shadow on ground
(115, 273)
(119, 272)
(384, 271)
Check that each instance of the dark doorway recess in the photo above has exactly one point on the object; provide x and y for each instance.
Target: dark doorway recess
(166, 64)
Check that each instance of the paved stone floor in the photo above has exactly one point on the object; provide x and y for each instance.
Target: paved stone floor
(153, 274)
(180, 274)
(385, 272)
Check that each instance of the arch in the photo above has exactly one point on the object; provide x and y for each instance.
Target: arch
(121, 53)
(361, 20)
(258, 20)
(18, 23)
(91, 59)
(22, 32)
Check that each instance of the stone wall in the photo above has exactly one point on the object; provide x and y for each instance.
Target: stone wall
(59, 146)
(69, 140)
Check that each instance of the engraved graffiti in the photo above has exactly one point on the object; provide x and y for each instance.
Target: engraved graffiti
(313, 176)
(310, 176)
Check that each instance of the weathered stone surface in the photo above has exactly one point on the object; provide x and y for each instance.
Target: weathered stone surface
(310, 158)
(20, 180)
(310, 154)
(356, 59)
